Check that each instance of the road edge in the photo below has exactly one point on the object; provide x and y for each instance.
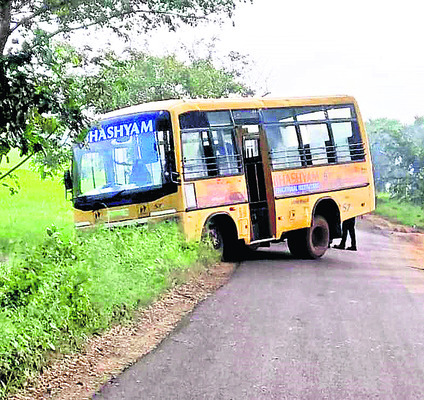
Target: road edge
(80, 375)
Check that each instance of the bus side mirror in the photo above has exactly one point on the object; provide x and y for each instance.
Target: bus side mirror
(67, 179)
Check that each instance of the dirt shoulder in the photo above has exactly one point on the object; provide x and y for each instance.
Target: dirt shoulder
(413, 236)
(78, 376)
(375, 222)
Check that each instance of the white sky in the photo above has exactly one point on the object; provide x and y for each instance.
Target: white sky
(371, 49)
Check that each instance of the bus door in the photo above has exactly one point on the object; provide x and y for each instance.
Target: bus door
(255, 180)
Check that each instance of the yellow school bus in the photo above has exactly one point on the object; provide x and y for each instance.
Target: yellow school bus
(249, 170)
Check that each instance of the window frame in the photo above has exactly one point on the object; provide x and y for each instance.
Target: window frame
(356, 149)
(213, 168)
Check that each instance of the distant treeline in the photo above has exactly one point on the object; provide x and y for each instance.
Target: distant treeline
(398, 156)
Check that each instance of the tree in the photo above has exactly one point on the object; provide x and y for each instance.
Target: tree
(142, 77)
(398, 156)
(38, 103)
(65, 16)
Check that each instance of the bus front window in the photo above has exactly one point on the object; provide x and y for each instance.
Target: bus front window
(128, 154)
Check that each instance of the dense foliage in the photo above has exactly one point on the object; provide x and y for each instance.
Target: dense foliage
(56, 293)
(142, 77)
(398, 157)
(36, 105)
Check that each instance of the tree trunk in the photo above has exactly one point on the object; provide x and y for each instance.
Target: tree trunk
(5, 19)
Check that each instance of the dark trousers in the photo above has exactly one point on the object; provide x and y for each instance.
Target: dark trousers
(348, 226)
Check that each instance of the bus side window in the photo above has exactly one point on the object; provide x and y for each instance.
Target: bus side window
(194, 161)
(283, 146)
(315, 139)
(227, 158)
(349, 146)
(341, 133)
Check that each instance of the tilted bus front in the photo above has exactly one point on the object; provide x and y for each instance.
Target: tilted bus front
(124, 172)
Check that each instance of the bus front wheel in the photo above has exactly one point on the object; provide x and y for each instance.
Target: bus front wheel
(213, 233)
(222, 235)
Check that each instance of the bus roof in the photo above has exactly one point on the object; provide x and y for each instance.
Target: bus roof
(184, 105)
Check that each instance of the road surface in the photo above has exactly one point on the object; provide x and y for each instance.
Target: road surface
(347, 326)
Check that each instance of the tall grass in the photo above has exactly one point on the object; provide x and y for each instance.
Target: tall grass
(55, 294)
(401, 212)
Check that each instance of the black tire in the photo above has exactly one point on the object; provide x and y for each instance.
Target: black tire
(213, 233)
(224, 240)
(310, 242)
(317, 237)
(296, 243)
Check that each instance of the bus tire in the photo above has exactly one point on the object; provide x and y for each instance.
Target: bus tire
(214, 235)
(296, 243)
(317, 238)
(221, 232)
(311, 242)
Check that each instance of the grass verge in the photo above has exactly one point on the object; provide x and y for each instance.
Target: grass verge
(54, 295)
(403, 213)
(37, 205)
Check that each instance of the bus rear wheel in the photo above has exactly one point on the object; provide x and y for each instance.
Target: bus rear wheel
(296, 243)
(310, 242)
(318, 237)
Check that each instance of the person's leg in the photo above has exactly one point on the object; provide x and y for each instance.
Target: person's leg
(351, 229)
(344, 237)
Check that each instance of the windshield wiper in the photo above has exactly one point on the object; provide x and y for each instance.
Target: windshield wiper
(99, 205)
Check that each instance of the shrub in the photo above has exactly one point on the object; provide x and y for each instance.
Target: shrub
(55, 294)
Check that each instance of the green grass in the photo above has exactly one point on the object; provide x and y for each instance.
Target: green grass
(403, 213)
(26, 215)
(58, 287)
(55, 295)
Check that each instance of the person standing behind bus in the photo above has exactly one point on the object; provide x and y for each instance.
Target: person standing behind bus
(348, 226)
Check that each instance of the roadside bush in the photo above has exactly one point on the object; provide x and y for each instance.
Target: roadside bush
(55, 294)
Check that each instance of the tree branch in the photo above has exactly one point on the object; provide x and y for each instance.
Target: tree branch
(35, 14)
(28, 157)
(45, 8)
(121, 14)
(16, 167)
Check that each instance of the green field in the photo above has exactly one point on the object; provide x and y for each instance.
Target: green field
(38, 204)
(403, 213)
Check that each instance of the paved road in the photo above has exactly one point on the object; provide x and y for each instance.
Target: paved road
(348, 326)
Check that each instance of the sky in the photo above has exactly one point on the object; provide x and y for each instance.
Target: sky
(370, 49)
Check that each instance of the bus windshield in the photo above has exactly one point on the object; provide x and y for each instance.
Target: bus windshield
(121, 154)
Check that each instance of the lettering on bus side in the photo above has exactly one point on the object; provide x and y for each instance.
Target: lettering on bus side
(300, 177)
(302, 182)
(297, 182)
